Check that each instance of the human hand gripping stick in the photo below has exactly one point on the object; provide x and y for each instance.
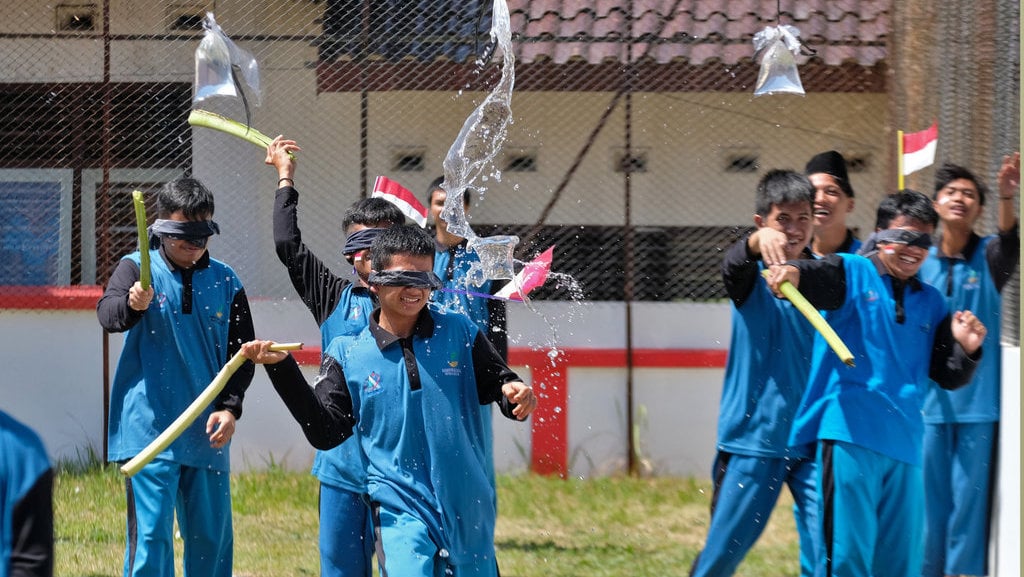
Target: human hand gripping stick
(783, 281)
(517, 392)
(218, 437)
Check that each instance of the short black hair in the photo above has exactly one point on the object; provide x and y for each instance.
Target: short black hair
(949, 172)
(833, 164)
(436, 185)
(911, 204)
(187, 195)
(782, 187)
(372, 212)
(404, 239)
(886, 212)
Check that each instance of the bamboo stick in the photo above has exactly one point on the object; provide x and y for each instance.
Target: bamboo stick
(175, 429)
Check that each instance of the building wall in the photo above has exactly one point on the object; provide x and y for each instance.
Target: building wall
(54, 379)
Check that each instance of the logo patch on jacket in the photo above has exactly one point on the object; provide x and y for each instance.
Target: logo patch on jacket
(972, 281)
(453, 369)
(372, 383)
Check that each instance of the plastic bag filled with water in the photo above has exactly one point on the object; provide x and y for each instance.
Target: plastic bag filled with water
(779, 46)
(219, 62)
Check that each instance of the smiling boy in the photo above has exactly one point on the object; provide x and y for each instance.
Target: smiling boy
(765, 378)
(833, 202)
(414, 382)
(866, 419)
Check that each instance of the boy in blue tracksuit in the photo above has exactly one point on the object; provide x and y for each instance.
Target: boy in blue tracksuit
(339, 307)
(26, 502)
(179, 333)
(866, 419)
(414, 383)
(961, 426)
(765, 378)
(452, 263)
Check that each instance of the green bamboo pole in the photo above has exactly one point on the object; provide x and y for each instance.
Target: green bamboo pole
(817, 321)
(140, 223)
(207, 119)
(175, 429)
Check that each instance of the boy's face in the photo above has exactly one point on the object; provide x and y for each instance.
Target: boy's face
(831, 204)
(437, 199)
(958, 202)
(400, 302)
(901, 260)
(795, 220)
(181, 252)
(436, 206)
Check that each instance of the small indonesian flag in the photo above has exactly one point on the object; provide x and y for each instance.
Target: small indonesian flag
(400, 196)
(919, 149)
(532, 276)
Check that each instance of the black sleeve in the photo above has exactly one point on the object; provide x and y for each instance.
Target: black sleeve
(951, 366)
(739, 271)
(318, 287)
(1002, 255)
(491, 372)
(822, 281)
(324, 412)
(32, 531)
(240, 330)
(112, 310)
(496, 320)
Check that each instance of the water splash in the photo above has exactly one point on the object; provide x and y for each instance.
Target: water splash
(566, 315)
(479, 141)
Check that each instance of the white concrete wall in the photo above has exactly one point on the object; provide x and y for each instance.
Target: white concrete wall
(1005, 555)
(54, 382)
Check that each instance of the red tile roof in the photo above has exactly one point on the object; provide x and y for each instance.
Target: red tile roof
(597, 31)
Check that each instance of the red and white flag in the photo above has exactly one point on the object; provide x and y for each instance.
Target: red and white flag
(532, 276)
(400, 196)
(919, 149)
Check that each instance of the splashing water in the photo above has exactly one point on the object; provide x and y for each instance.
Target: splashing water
(477, 144)
(473, 151)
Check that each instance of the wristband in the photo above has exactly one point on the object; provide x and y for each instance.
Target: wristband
(280, 180)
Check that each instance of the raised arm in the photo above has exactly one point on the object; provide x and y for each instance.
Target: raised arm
(317, 285)
(1009, 191)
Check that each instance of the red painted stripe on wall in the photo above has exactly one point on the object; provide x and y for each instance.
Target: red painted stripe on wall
(550, 376)
(78, 297)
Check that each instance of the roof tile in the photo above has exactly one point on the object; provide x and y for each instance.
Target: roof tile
(694, 30)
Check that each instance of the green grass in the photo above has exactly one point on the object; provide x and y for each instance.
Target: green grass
(606, 527)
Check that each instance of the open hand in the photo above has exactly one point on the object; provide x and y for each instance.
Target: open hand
(1009, 175)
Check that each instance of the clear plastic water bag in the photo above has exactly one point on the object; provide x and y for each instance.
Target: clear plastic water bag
(217, 60)
(779, 46)
(495, 254)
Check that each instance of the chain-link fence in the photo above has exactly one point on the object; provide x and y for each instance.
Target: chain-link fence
(635, 148)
